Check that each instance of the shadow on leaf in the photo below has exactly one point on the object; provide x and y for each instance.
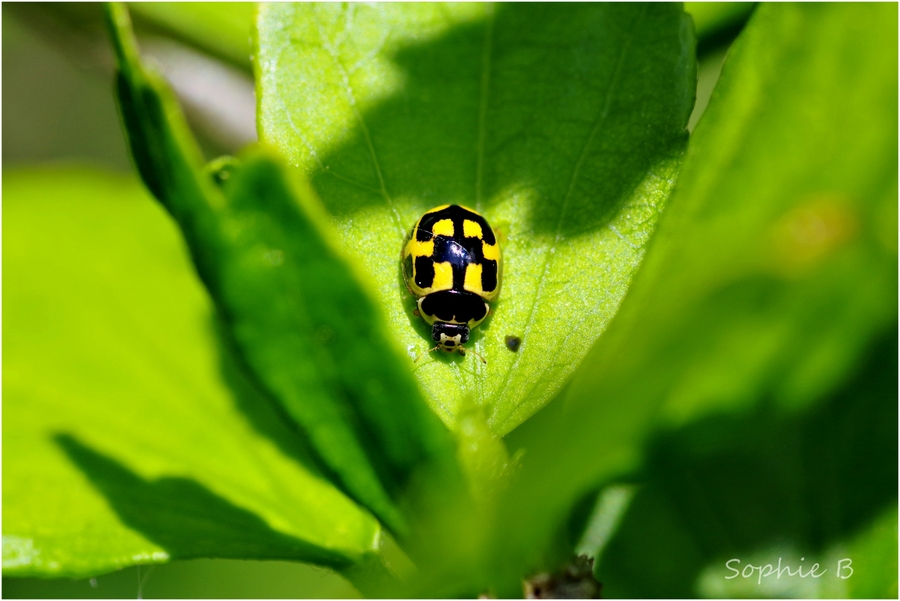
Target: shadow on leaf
(535, 101)
(184, 517)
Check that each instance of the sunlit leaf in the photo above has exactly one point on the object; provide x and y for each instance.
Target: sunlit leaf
(127, 436)
(562, 124)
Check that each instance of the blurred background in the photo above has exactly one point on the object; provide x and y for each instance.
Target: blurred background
(58, 107)
(58, 67)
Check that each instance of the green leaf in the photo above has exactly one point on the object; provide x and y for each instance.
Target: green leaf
(128, 438)
(221, 28)
(563, 125)
(295, 310)
(773, 272)
(762, 485)
(162, 147)
(875, 552)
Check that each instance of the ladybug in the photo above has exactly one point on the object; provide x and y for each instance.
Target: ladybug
(451, 264)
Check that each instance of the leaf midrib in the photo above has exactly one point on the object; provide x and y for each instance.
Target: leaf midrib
(484, 94)
(601, 119)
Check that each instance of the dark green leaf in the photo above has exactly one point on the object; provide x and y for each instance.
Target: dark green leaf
(312, 333)
(164, 152)
(294, 308)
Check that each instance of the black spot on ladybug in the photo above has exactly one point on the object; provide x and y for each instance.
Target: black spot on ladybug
(424, 272)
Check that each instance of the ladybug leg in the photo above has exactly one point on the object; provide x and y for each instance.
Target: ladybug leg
(431, 350)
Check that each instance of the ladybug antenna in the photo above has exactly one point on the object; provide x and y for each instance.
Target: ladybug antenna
(462, 351)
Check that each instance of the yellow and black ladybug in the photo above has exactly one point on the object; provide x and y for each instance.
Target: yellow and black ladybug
(451, 263)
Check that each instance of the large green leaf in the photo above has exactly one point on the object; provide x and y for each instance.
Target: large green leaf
(562, 124)
(773, 273)
(127, 437)
(292, 305)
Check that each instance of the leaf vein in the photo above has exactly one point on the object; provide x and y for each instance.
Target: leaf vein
(601, 119)
(351, 97)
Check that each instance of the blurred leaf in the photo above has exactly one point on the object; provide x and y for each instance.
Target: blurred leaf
(163, 150)
(56, 107)
(294, 308)
(221, 28)
(563, 125)
(218, 96)
(762, 485)
(773, 272)
(874, 552)
(864, 567)
(121, 442)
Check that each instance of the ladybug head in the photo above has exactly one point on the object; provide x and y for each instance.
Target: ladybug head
(450, 336)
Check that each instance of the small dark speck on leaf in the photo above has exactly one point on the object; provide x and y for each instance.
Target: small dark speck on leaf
(513, 343)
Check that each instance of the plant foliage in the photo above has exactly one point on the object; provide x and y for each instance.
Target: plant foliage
(244, 392)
